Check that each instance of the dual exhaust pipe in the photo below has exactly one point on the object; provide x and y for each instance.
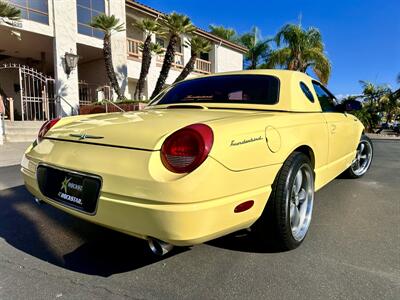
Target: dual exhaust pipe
(39, 201)
(158, 247)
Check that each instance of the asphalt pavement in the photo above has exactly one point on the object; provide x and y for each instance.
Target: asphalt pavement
(352, 250)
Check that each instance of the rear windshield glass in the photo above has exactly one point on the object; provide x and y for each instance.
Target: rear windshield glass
(251, 89)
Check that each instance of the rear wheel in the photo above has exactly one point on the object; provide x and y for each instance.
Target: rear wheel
(289, 209)
(363, 159)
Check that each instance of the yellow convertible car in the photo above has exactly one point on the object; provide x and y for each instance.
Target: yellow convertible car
(203, 159)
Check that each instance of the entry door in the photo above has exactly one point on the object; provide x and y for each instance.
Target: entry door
(342, 132)
(341, 135)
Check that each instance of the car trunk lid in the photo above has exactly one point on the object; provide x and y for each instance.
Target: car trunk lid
(142, 130)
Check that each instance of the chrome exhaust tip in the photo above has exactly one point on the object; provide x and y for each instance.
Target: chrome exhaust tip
(158, 247)
(38, 201)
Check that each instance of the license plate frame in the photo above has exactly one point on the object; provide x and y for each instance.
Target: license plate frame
(76, 190)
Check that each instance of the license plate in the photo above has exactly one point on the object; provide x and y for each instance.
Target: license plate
(70, 188)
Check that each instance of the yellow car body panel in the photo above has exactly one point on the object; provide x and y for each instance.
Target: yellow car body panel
(140, 197)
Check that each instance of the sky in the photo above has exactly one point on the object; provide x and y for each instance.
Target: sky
(362, 38)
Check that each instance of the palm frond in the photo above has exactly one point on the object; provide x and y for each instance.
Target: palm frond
(228, 34)
(156, 49)
(148, 26)
(314, 38)
(176, 24)
(108, 24)
(315, 58)
(9, 11)
(279, 58)
(290, 34)
(258, 48)
(299, 49)
(322, 68)
(199, 45)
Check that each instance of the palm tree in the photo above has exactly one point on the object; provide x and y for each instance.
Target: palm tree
(109, 25)
(198, 45)
(228, 34)
(373, 93)
(258, 49)
(149, 27)
(8, 11)
(376, 100)
(174, 25)
(390, 104)
(302, 49)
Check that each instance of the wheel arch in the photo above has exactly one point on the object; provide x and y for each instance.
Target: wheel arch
(308, 151)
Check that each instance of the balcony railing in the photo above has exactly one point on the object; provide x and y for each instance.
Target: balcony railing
(178, 60)
(202, 66)
(134, 48)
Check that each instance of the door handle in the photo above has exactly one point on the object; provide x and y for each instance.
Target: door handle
(333, 128)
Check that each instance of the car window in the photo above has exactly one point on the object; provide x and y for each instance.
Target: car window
(249, 89)
(306, 91)
(326, 100)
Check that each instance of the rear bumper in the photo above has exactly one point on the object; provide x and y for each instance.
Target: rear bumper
(185, 221)
(177, 224)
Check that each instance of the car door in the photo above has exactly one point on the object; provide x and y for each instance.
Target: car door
(342, 131)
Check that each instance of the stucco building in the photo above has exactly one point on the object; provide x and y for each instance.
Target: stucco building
(50, 30)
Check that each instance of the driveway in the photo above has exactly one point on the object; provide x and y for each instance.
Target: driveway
(352, 250)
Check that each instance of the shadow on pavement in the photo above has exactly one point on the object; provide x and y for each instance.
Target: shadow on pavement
(261, 238)
(77, 245)
(68, 242)
(243, 241)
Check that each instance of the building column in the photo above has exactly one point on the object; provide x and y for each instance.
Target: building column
(2, 130)
(118, 46)
(153, 74)
(214, 58)
(65, 36)
(187, 51)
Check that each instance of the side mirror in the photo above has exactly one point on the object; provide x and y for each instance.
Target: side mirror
(349, 105)
(352, 105)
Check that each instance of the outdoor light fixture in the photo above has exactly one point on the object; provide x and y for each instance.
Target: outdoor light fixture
(71, 61)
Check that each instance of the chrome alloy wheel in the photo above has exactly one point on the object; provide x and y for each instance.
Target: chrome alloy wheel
(363, 158)
(301, 202)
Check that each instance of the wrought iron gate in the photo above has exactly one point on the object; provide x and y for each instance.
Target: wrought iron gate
(37, 93)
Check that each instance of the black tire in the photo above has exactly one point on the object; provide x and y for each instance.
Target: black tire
(350, 171)
(276, 217)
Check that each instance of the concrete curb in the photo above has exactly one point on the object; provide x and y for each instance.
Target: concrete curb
(375, 136)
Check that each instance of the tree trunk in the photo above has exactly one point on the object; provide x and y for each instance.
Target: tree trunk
(388, 117)
(168, 60)
(187, 69)
(146, 61)
(292, 65)
(110, 67)
(253, 62)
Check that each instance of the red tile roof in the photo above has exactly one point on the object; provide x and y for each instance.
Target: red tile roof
(201, 32)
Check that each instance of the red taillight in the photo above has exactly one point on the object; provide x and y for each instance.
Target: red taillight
(186, 149)
(46, 127)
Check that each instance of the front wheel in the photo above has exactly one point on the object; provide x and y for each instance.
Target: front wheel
(363, 159)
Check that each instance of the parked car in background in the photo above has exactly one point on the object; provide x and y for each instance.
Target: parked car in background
(207, 157)
(396, 125)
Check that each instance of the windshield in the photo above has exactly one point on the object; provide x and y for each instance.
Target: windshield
(248, 89)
